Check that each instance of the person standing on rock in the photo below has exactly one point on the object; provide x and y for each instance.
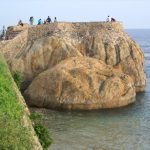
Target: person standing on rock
(31, 20)
(55, 19)
(108, 19)
(3, 34)
(39, 21)
(113, 20)
(48, 19)
(20, 23)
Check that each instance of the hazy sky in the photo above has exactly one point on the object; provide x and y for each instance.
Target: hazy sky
(133, 13)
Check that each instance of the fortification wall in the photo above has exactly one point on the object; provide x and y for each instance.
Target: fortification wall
(10, 48)
(40, 31)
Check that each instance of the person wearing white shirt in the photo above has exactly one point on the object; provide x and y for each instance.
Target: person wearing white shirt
(108, 19)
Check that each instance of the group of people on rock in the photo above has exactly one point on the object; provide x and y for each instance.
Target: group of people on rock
(40, 22)
(109, 19)
(49, 20)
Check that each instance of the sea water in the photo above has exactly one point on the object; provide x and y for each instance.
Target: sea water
(126, 128)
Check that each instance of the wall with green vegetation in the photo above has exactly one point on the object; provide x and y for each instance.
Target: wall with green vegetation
(16, 131)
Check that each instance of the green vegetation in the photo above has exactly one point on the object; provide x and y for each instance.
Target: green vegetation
(17, 78)
(40, 130)
(13, 135)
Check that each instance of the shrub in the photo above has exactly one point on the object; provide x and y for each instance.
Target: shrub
(17, 78)
(41, 130)
(36, 117)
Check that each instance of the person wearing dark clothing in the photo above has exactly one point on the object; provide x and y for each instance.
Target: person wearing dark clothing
(31, 20)
(20, 23)
(4, 31)
(113, 20)
(49, 20)
(3, 34)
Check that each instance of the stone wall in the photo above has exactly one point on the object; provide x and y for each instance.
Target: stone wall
(40, 31)
(10, 48)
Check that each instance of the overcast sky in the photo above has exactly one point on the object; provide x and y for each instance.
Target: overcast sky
(133, 13)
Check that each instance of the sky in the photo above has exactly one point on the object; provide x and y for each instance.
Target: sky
(133, 13)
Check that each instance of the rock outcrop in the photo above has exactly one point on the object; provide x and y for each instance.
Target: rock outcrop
(47, 46)
(81, 83)
(16, 41)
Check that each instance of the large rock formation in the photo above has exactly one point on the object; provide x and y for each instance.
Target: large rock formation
(46, 47)
(81, 83)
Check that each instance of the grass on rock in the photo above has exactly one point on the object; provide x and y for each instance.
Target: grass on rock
(13, 134)
(41, 131)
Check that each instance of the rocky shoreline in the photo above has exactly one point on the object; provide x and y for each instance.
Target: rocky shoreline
(76, 65)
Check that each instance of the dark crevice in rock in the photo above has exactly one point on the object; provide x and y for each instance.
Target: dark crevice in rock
(89, 79)
(127, 91)
(50, 33)
(73, 73)
(25, 85)
(106, 56)
(26, 51)
(92, 51)
(101, 86)
(44, 102)
(131, 51)
(93, 42)
(118, 59)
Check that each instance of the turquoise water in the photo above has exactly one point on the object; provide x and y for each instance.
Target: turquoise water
(126, 128)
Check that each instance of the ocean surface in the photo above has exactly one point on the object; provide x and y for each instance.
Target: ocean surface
(125, 128)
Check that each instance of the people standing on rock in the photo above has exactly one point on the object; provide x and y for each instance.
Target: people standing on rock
(31, 20)
(4, 31)
(113, 20)
(48, 19)
(20, 23)
(3, 35)
(40, 22)
(45, 22)
(108, 19)
(55, 19)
